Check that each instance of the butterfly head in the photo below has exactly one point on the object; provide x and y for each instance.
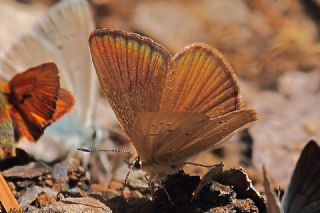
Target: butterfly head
(134, 162)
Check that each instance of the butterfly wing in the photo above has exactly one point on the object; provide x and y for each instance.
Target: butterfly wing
(61, 37)
(303, 194)
(155, 130)
(174, 137)
(25, 52)
(63, 104)
(66, 28)
(216, 131)
(33, 95)
(132, 70)
(202, 81)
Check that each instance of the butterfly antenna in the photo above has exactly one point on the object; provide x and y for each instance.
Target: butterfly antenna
(198, 164)
(105, 150)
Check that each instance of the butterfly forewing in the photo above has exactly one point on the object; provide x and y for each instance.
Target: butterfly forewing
(202, 81)
(303, 194)
(33, 95)
(35, 92)
(132, 70)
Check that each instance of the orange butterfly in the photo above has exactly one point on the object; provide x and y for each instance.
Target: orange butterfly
(30, 102)
(171, 107)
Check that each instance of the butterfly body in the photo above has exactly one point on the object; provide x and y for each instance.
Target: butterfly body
(171, 107)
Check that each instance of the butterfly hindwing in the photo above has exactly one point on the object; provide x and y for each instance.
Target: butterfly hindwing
(170, 136)
(63, 105)
(132, 70)
(216, 131)
(155, 130)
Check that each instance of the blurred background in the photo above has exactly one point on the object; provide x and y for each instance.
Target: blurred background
(273, 46)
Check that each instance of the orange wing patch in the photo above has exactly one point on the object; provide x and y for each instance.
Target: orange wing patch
(63, 105)
(37, 100)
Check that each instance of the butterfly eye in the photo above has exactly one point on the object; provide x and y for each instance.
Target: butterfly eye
(137, 164)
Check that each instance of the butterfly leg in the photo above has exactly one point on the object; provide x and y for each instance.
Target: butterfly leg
(123, 187)
(150, 187)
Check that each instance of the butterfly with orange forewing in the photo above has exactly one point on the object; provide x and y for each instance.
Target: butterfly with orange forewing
(61, 35)
(30, 102)
(170, 107)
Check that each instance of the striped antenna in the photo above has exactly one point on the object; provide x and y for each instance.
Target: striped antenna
(105, 150)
